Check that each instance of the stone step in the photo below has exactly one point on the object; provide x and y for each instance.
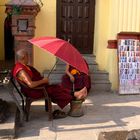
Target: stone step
(101, 85)
(60, 62)
(99, 79)
(98, 85)
(92, 67)
(90, 59)
(97, 75)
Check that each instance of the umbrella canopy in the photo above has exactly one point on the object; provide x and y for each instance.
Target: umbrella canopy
(63, 50)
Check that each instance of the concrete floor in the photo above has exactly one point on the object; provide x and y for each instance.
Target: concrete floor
(104, 112)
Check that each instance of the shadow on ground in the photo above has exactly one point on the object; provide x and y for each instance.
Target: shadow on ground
(103, 112)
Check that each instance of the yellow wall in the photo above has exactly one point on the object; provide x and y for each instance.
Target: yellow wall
(101, 32)
(2, 18)
(124, 16)
(112, 17)
(45, 26)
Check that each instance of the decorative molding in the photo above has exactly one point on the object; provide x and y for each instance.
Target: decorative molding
(112, 44)
(127, 35)
(19, 8)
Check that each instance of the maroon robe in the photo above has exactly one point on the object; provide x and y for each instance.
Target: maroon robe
(81, 80)
(57, 93)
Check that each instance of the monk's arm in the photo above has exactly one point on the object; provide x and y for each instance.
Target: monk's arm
(22, 75)
(68, 73)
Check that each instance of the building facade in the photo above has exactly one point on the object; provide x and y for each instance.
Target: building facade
(111, 17)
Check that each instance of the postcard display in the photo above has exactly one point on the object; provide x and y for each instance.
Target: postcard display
(129, 64)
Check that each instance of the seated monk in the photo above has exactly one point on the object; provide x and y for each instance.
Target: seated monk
(73, 76)
(32, 78)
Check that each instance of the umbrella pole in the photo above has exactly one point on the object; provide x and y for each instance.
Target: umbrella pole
(52, 68)
(73, 87)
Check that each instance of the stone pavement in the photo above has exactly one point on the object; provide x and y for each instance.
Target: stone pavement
(104, 112)
(7, 128)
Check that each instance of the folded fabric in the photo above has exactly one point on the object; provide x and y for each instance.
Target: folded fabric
(74, 72)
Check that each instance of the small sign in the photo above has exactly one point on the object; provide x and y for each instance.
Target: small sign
(22, 25)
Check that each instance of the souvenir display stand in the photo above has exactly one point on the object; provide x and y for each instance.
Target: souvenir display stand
(128, 50)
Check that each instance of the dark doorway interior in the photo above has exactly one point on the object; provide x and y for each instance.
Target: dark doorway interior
(8, 39)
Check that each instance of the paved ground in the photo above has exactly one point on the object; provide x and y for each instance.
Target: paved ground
(103, 112)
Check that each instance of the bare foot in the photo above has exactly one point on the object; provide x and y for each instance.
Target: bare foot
(81, 94)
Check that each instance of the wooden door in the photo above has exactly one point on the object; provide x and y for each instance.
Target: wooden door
(75, 22)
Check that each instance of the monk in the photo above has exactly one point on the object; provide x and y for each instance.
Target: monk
(73, 78)
(32, 78)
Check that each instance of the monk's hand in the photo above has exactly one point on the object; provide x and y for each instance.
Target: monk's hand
(46, 80)
(72, 78)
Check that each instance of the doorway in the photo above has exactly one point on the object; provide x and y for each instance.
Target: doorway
(75, 23)
(8, 39)
(9, 60)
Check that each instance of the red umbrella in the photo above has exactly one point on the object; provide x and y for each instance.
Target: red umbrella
(63, 50)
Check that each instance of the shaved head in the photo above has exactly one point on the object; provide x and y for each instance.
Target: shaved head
(20, 54)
